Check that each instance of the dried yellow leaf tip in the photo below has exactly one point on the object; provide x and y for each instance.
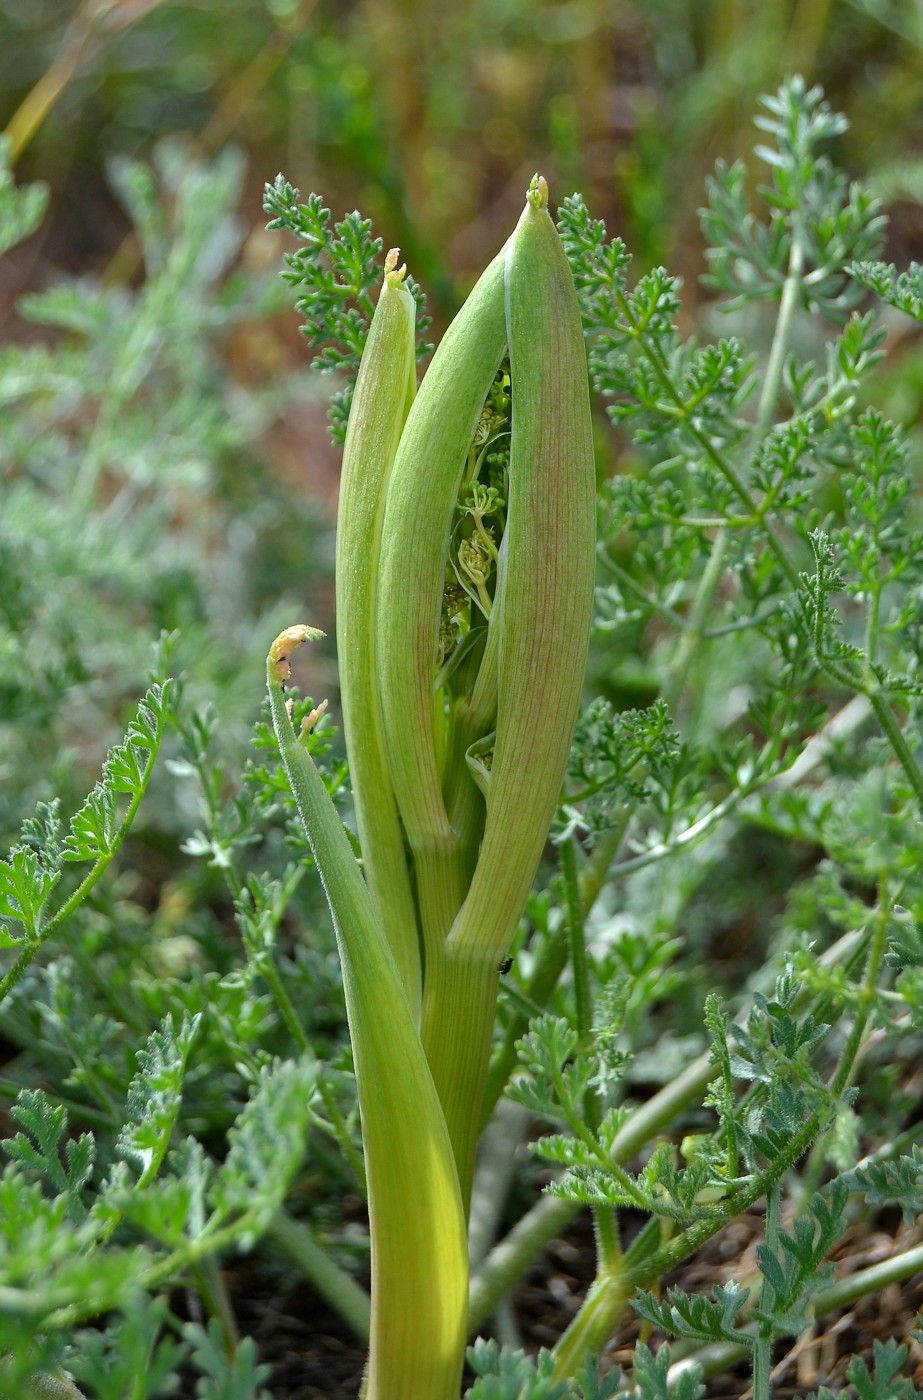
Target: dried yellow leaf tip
(394, 275)
(309, 721)
(278, 664)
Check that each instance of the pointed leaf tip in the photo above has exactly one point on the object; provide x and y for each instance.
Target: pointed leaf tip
(538, 192)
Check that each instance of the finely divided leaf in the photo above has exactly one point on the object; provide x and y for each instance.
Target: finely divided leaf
(694, 1316)
(266, 1147)
(651, 1378)
(154, 1096)
(25, 885)
(900, 1182)
(65, 1163)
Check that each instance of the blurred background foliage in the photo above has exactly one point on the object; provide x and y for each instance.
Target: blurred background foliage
(431, 117)
(164, 463)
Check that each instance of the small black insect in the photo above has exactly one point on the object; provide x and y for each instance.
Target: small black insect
(505, 966)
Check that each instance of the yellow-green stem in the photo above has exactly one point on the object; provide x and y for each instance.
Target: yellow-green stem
(416, 1219)
(459, 1009)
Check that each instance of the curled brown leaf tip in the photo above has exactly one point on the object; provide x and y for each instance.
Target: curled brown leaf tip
(278, 661)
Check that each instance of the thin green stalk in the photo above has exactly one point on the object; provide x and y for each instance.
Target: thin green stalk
(267, 967)
(910, 1137)
(509, 1259)
(895, 735)
(547, 970)
(599, 1314)
(61, 1315)
(338, 1287)
(872, 623)
(270, 974)
(876, 954)
(583, 997)
(631, 585)
(595, 873)
(344, 1137)
(496, 1170)
(690, 836)
(694, 629)
(551, 1215)
(97, 974)
(214, 1293)
(716, 1021)
(874, 959)
(859, 1285)
(788, 303)
(656, 359)
(762, 1351)
(697, 1234)
(609, 1251)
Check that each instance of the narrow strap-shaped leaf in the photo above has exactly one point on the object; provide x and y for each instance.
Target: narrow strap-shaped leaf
(547, 570)
(545, 598)
(384, 390)
(422, 495)
(419, 1248)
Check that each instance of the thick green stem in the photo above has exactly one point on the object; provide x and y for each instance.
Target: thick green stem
(594, 1324)
(383, 393)
(459, 1008)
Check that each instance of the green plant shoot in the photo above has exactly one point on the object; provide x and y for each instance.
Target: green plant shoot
(464, 595)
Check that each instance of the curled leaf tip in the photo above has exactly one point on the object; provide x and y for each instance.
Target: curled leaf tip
(278, 661)
(538, 192)
(394, 275)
